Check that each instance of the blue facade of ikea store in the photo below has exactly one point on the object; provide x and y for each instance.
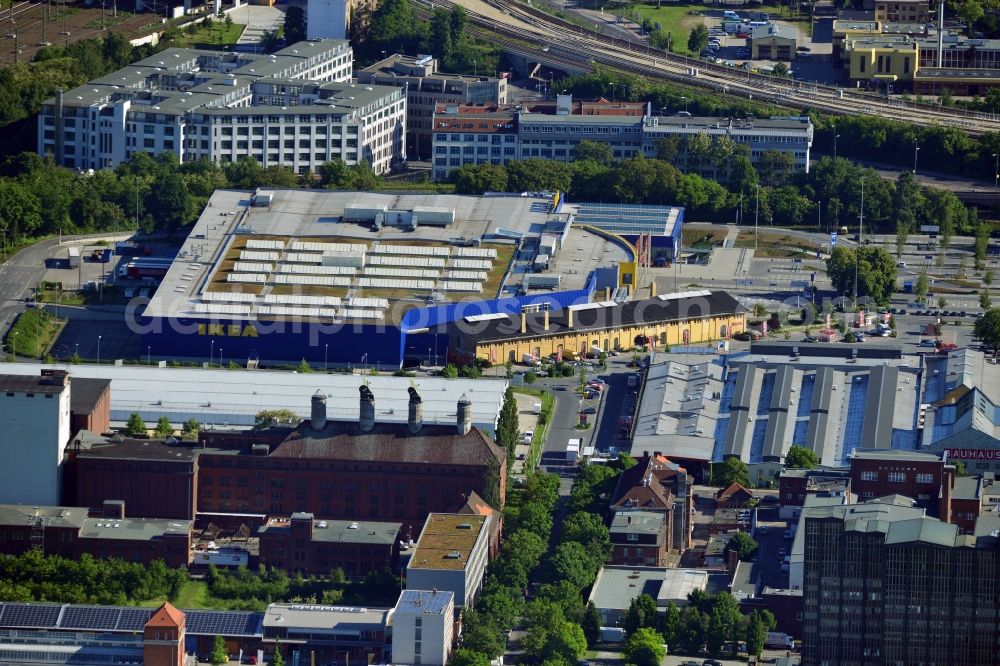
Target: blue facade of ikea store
(422, 332)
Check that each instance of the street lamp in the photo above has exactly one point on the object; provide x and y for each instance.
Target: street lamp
(220, 357)
(98, 350)
(149, 351)
(364, 361)
(685, 105)
(996, 171)
(835, 137)
(326, 350)
(211, 354)
(916, 149)
(756, 210)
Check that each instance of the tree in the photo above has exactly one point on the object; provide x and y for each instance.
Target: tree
(269, 418)
(698, 39)
(467, 657)
(902, 232)
(799, 457)
(641, 614)
(744, 546)
(988, 278)
(480, 178)
(277, 659)
(731, 470)
(875, 270)
(671, 623)
(645, 648)
(574, 563)
(295, 24)
(756, 635)
(780, 69)
(220, 655)
(591, 624)
(723, 623)
(304, 368)
(589, 530)
(971, 11)
(507, 426)
(135, 425)
(169, 202)
(921, 288)
(191, 429)
(987, 328)
(530, 377)
(163, 427)
(480, 634)
(592, 150)
(693, 629)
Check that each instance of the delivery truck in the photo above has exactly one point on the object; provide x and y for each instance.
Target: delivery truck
(74, 257)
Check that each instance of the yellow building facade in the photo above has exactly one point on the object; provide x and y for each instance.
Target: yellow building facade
(877, 60)
(570, 333)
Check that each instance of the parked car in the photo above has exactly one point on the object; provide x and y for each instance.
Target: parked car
(928, 342)
(810, 338)
(743, 336)
(589, 410)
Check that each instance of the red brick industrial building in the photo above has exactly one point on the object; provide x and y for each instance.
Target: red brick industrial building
(72, 531)
(303, 543)
(364, 471)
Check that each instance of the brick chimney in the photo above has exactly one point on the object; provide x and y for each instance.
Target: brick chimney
(318, 420)
(524, 322)
(464, 420)
(569, 317)
(546, 319)
(415, 420)
(366, 414)
(652, 288)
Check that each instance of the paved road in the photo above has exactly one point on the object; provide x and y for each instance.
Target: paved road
(17, 277)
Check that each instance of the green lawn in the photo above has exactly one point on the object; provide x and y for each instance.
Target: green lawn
(219, 34)
(193, 595)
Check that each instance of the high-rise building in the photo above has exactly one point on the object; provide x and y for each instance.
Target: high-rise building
(885, 584)
(35, 413)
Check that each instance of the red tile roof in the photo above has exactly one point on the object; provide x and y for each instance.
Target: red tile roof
(733, 489)
(167, 616)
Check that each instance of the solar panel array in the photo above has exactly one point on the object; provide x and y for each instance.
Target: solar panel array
(300, 299)
(250, 278)
(120, 618)
(259, 255)
(229, 623)
(309, 269)
(449, 285)
(222, 308)
(293, 311)
(391, 283)
(314, 280)
(354, 313)
(252, 267)
(261, 244)
(362, 302)
(477, 276)
(379, 271)
(474, 264)
(395, 260)
(228, 297)
(304, 258)
(411, 250)
(474, 253)
(307, 246)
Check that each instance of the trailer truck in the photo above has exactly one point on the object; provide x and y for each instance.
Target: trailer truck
(74, 257)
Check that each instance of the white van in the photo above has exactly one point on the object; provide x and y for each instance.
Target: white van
(730, 15)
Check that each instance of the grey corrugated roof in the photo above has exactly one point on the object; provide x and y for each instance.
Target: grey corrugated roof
(132, 529)
(927, 530)
(15, 515)
(774, 30)
(343, 531)
(876, 433)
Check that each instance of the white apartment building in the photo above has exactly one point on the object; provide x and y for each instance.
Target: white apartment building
(295, 108)
(35, 413)
(422, 627)
(332, 19)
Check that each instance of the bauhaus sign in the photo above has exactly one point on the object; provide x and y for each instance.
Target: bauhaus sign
(973, 454)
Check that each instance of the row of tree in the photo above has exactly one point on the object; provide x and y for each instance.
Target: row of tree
(831, 193)
(33, 576)
(38, 197)
(714, 624)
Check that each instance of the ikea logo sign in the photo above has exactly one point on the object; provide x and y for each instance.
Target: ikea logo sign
(228, 330)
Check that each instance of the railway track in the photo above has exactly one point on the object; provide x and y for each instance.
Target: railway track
(558, 40)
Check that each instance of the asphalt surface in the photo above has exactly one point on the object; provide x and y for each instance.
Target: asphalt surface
(19, 275)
